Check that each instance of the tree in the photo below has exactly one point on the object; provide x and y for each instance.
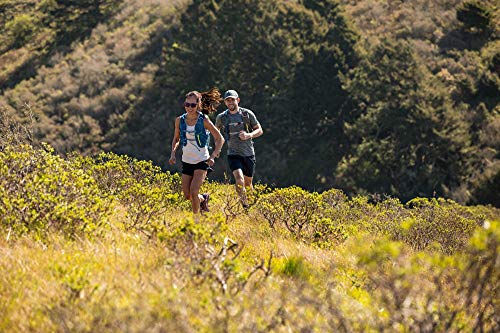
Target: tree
(476, 16)
(409, 139)
(269, 52)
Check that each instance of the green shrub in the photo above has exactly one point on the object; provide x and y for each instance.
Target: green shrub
(347, 215)
(43, 192)
(328, 233)
(142, 188)
(390, 214)
(295, 267)
(203, 254)
(433, 292)
(292, 208)
(21, 28)
(439, 221)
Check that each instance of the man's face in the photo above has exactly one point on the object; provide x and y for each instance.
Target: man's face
(231, 103)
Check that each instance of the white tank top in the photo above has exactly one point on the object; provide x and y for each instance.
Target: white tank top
(191, 153)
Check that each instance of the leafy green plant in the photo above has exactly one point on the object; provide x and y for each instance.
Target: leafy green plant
(440, 221)
(437, 291)
(142, 188)
(212, 257)
(43, 192)
(21, 28)
(326, 233)
(295, 267)
(292, 208)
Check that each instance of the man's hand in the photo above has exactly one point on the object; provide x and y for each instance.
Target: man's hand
(244, 136)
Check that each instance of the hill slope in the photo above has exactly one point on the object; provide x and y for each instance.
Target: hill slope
(107, 244)
(399, 97)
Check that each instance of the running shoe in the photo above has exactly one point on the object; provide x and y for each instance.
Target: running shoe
(204, 203)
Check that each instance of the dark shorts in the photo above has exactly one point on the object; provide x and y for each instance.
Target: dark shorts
(245, 163)
(188, 169)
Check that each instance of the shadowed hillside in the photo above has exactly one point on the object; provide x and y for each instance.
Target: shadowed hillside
(395, 98)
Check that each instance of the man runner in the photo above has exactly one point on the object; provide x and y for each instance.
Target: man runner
(240, 127)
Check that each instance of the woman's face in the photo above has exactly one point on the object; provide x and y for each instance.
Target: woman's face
(191, 105)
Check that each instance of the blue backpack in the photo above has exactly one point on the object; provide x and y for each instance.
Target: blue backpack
(201, 135)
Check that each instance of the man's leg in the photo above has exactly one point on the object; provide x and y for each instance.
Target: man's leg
(248, 188)
(240, 186)
(248, 172)
(248, 182)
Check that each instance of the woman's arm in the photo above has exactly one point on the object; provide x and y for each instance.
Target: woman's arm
(219, 140)
(175, 141)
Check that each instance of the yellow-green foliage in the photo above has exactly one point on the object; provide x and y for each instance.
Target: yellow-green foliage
(41, 192)
(442, 221)
(329, 218)
(21, 27)
(291, 207)
(142, 188)
(295, 261)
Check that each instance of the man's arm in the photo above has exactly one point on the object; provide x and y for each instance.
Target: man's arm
(218, 122)
(257, 131)
(256, 128)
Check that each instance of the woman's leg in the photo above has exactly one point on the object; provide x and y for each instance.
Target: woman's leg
(186, 184)
(194, 189)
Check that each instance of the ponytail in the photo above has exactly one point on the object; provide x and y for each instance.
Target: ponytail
(210, 100)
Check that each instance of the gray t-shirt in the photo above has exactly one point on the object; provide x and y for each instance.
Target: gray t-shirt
(235, 145)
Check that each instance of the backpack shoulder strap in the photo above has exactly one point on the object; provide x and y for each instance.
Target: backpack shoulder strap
(182, 129)
(224, 117)
(201, 118)
(201, 133)
(224, 120)
(246, 119)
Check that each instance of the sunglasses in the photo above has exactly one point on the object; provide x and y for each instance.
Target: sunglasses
(190, 105)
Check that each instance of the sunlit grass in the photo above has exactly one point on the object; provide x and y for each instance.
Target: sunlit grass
(149, 264)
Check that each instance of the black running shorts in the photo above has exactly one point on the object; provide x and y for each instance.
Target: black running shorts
(188, 169)
(245, 163)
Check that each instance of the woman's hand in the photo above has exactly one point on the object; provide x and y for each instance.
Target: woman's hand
(211, 161)
(172, 160)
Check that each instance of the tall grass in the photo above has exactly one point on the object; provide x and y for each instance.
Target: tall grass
(296, 261)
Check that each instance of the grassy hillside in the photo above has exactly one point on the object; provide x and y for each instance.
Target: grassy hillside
(108, 244)
(400, 97)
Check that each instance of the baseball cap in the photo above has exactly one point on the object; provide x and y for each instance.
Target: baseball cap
(231, 93)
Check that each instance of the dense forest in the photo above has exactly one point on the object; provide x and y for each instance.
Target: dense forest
(396, 98)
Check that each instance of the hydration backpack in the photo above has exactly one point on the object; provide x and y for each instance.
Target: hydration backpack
(246, 121)
(201, 135)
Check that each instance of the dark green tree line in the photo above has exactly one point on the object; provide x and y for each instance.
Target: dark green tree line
(408, 140)
(285, 60)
